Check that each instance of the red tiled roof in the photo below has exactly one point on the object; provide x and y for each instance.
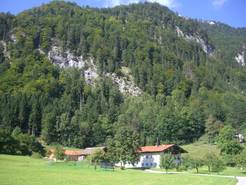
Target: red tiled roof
(159, 148)
(85, 152)
(73, 152)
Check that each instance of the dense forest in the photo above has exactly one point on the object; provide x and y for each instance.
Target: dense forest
(187, 93)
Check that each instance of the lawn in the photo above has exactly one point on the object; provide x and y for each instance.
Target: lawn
(229, 171)
(18, 170)
(200, 149)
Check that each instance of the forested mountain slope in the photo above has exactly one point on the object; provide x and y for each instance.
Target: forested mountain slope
(77, 76)
(229, 41)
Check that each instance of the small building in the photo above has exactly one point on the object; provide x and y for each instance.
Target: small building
(79, 155)
(74, 155)
(150, 156)
(90, 150)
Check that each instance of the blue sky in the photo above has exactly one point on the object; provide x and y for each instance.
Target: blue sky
(232, 12)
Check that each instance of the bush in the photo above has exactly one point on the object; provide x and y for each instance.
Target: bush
(241, 160)
(229, 160)
(227, 142)
(59, 153)
(167, 161)
(213, 162)
(218, 166)
(8, 145)
(98, 157)
(36, 155)
(18, 143)
(190, 163)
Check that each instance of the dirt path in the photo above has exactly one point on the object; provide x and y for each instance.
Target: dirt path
(241, 180)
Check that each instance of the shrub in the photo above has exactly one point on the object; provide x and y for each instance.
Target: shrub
(36, 155)
(227, 142)
(218, 166)
(241, 160)
(18, 143)
(229, 160)
(98, 157)
(8, 145)
(59, 153)
(190, 163)
(167, 161)
(213, 162)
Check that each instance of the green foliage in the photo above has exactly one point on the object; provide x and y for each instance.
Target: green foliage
(98, 157)
(167, 161)
(123, 147)
(8, 144)
(19, 143)
(191, 162)
(36, 155)
(213, 127)
(229, 160)
(227, 142)
(213, 162)
(186, 93)
(228, 40)
(241, 160)
(59, 152)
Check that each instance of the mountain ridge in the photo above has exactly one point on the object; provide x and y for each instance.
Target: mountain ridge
(179, 73)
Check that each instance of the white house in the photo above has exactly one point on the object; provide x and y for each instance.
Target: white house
(150, 155)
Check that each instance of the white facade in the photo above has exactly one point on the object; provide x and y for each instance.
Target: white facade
(149, 160)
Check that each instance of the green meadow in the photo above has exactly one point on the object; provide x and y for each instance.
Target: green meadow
(19, 170)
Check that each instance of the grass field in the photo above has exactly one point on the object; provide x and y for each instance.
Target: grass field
(228, 171)
(18, 170)
(200, 149)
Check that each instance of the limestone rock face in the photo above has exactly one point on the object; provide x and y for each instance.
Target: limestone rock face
(125, 85)
(90, 73)
(13, 38)
(66, 59)
(240, 58)
(5, 51)
(196, 38)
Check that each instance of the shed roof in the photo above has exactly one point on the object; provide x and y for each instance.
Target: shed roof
(89, 151)
(159, 148)
(73, 152)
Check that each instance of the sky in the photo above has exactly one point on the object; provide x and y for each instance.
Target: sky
(232, 12)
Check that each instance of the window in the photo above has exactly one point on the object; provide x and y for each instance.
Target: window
(146, 164)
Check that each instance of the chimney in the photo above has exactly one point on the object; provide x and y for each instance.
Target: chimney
(157, 141)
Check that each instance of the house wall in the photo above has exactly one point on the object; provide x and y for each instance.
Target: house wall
(75, 157)
(150, 160)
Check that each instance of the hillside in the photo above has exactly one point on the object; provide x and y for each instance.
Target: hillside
(77, 75)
